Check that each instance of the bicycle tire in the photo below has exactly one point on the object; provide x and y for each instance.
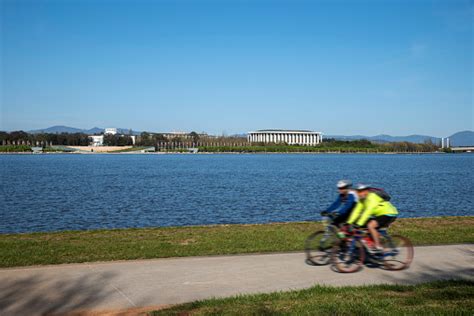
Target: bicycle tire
(314, 254)
(391, 248)
(356, 259)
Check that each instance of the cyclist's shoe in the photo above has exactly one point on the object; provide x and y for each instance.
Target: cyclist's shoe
(375, 250)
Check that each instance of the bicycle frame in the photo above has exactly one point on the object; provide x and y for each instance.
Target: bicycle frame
(353, 251)
(393, 250)
(327, 222)
(359, 235)
(329, 229)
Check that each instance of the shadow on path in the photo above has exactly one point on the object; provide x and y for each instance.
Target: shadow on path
(34, 295)
(429, 273)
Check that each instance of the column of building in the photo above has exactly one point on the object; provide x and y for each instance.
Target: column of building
(288, 137)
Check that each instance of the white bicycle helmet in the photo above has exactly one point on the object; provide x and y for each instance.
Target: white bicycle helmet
(361, 187)
(344, 184)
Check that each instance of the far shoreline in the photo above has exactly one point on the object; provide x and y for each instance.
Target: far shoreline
(218, 225)
(223, 153)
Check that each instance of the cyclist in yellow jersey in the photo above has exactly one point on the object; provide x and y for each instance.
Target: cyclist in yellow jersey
(373, 210)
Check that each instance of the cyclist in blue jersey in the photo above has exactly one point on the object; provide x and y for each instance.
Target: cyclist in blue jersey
(344, 204)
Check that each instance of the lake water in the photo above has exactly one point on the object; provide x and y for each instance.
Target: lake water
(64, 192)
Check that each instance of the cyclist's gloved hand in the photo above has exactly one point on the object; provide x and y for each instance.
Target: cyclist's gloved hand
(352, 227)
(356, 228)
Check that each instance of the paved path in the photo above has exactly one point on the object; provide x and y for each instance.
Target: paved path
(128, 284)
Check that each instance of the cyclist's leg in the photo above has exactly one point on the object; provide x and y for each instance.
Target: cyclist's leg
(372, 225)
(378, 222)
(339, 220)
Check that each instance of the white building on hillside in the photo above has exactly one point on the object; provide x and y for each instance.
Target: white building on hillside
(111, 131)
(291, 137)
(98, 140)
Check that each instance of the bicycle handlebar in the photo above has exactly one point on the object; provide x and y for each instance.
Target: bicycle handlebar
(328, 214)
(355, 232)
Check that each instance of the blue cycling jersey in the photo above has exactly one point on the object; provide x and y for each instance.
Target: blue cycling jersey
(343, 205)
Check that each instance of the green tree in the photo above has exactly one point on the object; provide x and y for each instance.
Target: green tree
(194, 136)
(110, 140)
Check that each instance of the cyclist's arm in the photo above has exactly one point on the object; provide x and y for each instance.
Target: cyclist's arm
(355, 213)
(370, 206)
(334, 206)
(348, 205)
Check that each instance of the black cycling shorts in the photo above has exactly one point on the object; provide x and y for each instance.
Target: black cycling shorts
(339, 220)
(384, 220)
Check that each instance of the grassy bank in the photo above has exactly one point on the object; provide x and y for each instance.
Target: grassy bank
(127, 150)
(53, 150)
(304, 149)
(15, 149)
(330, 145)
(436, 298)
(124, 244)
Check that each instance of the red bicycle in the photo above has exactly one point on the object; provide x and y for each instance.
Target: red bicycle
(354, 250)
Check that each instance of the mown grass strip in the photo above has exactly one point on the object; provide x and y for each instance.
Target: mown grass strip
(146, 243)
(435, 298)
(15, 149)
(126, 150)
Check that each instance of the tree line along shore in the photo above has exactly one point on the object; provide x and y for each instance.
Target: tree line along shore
(41, 248)
(22, 142)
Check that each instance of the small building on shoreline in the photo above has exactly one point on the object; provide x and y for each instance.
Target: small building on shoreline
(291, 137)
(98, 140)
(183, 135)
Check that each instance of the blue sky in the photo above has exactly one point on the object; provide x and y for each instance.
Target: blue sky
(340, 67)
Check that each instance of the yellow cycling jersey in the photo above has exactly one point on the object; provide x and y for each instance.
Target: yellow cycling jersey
(372, 205)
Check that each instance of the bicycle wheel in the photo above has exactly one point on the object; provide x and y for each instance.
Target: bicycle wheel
(398, 252)
(318, 247)
(348, 256)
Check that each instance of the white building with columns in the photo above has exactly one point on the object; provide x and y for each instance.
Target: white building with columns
(291, 137)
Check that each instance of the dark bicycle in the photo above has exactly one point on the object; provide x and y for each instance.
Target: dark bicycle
(318, 245)
(354, 250)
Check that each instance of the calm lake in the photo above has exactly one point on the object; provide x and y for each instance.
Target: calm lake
(76, 192)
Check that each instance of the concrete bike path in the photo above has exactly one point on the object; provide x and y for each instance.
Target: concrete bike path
(120, 285)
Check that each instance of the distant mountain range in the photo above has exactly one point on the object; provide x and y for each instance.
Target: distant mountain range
(388, 138)
(464, 138)
(58, 129)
